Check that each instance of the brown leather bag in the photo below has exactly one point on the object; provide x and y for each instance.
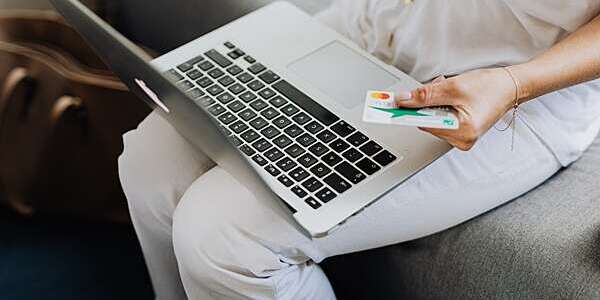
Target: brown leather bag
(62, 115)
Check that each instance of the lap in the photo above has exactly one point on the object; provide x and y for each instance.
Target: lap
(457, 187)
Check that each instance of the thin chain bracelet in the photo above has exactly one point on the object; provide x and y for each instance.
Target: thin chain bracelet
(515, 108)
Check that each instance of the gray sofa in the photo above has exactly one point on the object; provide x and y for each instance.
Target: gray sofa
(544, 245)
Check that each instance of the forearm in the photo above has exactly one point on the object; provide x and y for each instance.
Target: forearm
(572, 61)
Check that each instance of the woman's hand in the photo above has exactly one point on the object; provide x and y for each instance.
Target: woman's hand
(479, 99)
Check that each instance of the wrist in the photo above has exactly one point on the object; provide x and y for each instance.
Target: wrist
(524, 86)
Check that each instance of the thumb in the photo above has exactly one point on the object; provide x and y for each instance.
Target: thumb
(430, 95)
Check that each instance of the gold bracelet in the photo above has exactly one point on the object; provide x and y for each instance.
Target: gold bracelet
(515, 112)
(517, 86)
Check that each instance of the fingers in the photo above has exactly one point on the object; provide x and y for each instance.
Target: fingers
(460, 140)
(434, 94)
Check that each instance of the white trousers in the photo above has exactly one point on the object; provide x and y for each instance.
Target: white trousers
(204, 236)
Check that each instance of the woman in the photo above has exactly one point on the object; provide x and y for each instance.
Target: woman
(205, 236)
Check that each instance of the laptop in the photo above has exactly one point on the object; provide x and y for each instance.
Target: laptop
(276, 99)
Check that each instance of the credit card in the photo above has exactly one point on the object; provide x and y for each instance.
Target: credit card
(381, 108)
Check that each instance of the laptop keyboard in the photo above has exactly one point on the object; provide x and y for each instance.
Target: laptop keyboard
(310, 150)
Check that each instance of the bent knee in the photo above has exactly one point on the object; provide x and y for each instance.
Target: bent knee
(157, 164)
(219, 229)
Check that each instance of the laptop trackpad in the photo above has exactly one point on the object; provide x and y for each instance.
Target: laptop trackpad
(342, 74)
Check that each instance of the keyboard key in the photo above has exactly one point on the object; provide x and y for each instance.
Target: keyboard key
(247, 150)
(226, 81)
(294, 150)
(194, 74)
(299, 192)
(227, 118)
(331, 159)
(357, 139)
(216, 110)
(299, 174)
(384, 158)
(368, 166)
(249, 59)
(234, 70)
(205, 66)
(339, 145)
(301, 118)
(349, 172)
(204, 82)
(307, 160)
(173, 75)
(342, 128)
(294, 131)
(216, 73)
(314, 127)
(214, 90)
(262, 145)
(261, 161)
(278, 101)
(272, 170)
(320, 170)
(247, 115)
(267, 93)
(326, 136)
(285, 180)
(282, 141)
(282, 122)
(238, 127)
(196, 60)
(270, 113)
(325, 195)
(308, 104)
(370, 148)
(185, 85)
(248, 96)
(259, 105)
(274, 155)
(237, 89)
(233, 55)
(256, 85)
(218, 58)
(245, 77)
(257, 68)
(269, 77)
(270, 132)
(226, 98)
(258, 123)
(229, 45)
(352, 155)
(236, 105)
(206, 101)
(306, 140)
(312, 202)
(289, 110)
(337, 183)
(250, 136)
(286, 164)
(312, 184)
(195, 93)
(318, 149)
(184, 67)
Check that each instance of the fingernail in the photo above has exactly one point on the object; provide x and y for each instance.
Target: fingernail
(403, 96)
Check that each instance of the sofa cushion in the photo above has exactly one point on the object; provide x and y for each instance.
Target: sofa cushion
(545, 244)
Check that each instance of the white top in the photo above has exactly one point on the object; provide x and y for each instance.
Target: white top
(428, 38)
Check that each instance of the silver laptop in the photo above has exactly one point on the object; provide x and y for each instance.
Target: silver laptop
(276, 99)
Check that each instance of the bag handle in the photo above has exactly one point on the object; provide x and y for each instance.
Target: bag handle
(16, 78)
(67, 104)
